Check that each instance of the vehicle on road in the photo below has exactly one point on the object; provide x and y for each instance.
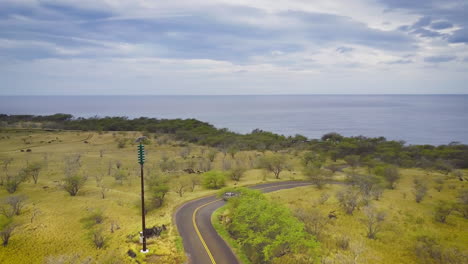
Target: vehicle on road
(229, 195)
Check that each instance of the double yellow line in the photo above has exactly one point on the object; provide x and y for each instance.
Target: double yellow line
(201, 206)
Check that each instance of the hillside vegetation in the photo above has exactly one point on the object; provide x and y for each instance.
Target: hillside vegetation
(70, 193)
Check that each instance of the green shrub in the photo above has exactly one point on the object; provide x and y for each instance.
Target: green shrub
(267, 231)
(213, 179)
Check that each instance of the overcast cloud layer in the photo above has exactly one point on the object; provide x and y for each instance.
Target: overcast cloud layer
(233, 47)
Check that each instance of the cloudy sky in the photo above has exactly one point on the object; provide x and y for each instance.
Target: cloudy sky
(233, 47)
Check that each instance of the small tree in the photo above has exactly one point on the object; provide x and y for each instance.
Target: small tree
(462, 206)
(420, 191)
(232, 150)
(103, 191)
(184, 152)
(5, 164)
(212, 155)
(313, 219)
(333, 168)
(236, 173)
(157, 188)
(181, 185)
(274, 163)
(391, 174)
(317, 176)
(120, 176)
(73, 181)
(167, 165)
(195, 180)
(12, 205)
(373, 221)
(98, 238)
(13, 181)
(442, 210)
(213, 179)
(348, 199)
(73, 184)
(33, 170)
(7, 226)
(352, 160)
(439, 184)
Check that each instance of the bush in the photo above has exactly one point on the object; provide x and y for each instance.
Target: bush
(12, 183)
(348, 199)
(277, 234)
(429, 251)
(442, 210)
(72, 184)
(236, 174)
(157, 188)
(12, 205)
(7, 226)
(213, 179)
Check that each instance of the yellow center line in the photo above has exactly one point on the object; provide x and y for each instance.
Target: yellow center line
(198, 231)
(201, 206)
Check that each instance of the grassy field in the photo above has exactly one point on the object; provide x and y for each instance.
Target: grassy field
(405, 221)
(52, 226)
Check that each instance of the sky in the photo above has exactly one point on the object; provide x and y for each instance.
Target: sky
(222, 47)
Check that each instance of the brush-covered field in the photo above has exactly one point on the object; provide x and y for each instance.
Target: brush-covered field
(100, 224)
(409, 232)
(55, 227)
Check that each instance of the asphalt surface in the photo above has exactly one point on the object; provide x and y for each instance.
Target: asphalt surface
(202, 243)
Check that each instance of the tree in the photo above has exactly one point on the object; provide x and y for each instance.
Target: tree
(462, 206)
(7, 226)
(184, 152)
(98, 238)
(213, 179)
(103, 191)
(212, 155)
(5, 164)
(232, 150)
(420, 191)
(157, 188)
(348, 199)
(33, 170)
(317, 176)
(194, 181)
(72, 184)
(12, 205)
(274, 163)
(180, 185)
(333, 168)
(13, 181)
(439, 184)
(352, 160)
(167, 165)
(366, 183)
(120, 176)
(442, 210)
(373, 221)
(313, 159)
(236, 173)
(314, 220)
(391, 174)
(266, 231)
(73, 181)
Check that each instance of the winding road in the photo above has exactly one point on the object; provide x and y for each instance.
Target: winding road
(202, 243)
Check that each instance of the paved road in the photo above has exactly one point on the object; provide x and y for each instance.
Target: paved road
(202, 243)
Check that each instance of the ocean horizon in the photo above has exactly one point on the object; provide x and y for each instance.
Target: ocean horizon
(416, 119)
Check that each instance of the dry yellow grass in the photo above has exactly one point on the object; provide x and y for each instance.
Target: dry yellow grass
(57, 230)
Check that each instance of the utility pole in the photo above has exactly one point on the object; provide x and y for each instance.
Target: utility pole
(141, 160)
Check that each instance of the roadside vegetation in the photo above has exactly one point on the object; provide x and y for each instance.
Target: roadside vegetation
(69, 193)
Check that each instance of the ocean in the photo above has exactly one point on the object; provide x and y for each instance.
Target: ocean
(415, 119)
